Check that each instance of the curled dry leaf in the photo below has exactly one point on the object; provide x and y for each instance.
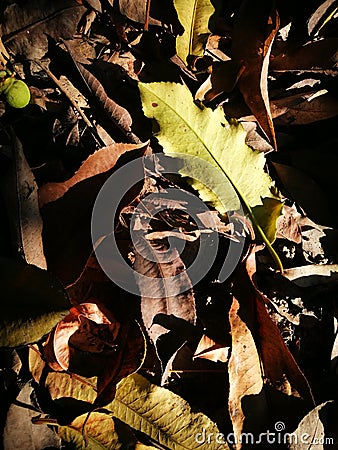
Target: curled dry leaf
(88, 343)
(209, 349)
(254, 31)
(86, 332)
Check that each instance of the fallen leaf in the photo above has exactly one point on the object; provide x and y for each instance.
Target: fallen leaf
(166, 293)
(260, 364)
(99, 162)
(98, 428)
(115, 113)
(209, 349)
(288, 225)
(165, 417)
(67, 221)
(194, 16)
(19, 190)
(87, 343)
(34, 302)
(314, 56)
(27, 435)
(206, 136)
(302, 109)
(25, 27)
(310, 432)
(159, 413)
(252, 47)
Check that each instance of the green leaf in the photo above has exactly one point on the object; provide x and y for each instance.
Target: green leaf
(99, 430)
(194, 16)
(162, 415)
(33, 302)
(206, 135)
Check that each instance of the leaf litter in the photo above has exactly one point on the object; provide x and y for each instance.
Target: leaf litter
(199, 364)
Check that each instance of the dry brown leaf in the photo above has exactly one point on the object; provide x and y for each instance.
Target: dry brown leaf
(254, 31)
(67, 223)
(288, 225)
(167, 309)
(88, 343)
(20, 191)
(113, 112)
(262, 372)
(302, 109)
(209, 349)
(25, 27)
(99, 162)
(315, 56)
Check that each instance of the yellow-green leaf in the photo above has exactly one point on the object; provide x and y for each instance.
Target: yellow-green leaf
(157, 412)
(194, 16)
(99, 430)
(205, 135)
(163, 416)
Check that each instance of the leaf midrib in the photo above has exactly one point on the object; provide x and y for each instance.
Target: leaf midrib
(142, 417)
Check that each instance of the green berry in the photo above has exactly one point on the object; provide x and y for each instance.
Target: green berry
(16, 92)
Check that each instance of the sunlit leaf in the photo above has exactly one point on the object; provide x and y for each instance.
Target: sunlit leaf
(194, 16)
(207, 136)
(99, 431)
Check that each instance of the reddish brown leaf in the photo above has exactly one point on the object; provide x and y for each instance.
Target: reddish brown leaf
(99, 162)
(88, 343)
(317, 56)
(255, 28)
(67, 221)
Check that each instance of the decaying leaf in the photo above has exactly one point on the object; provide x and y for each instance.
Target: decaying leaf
(25, 27)
(87, 343)
(161, 305)
(311, 430)
(27, 435)
(164, 416)
(99, 431)
(255, 28)
(114, 112)
(99, 162)
(194, 16)
(209, 349)
(34, 301)
(260, 365)
(19, 189)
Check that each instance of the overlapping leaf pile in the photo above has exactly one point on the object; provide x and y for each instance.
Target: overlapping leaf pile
(242, 96)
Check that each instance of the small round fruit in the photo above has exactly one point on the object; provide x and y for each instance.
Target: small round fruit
(16, 92)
